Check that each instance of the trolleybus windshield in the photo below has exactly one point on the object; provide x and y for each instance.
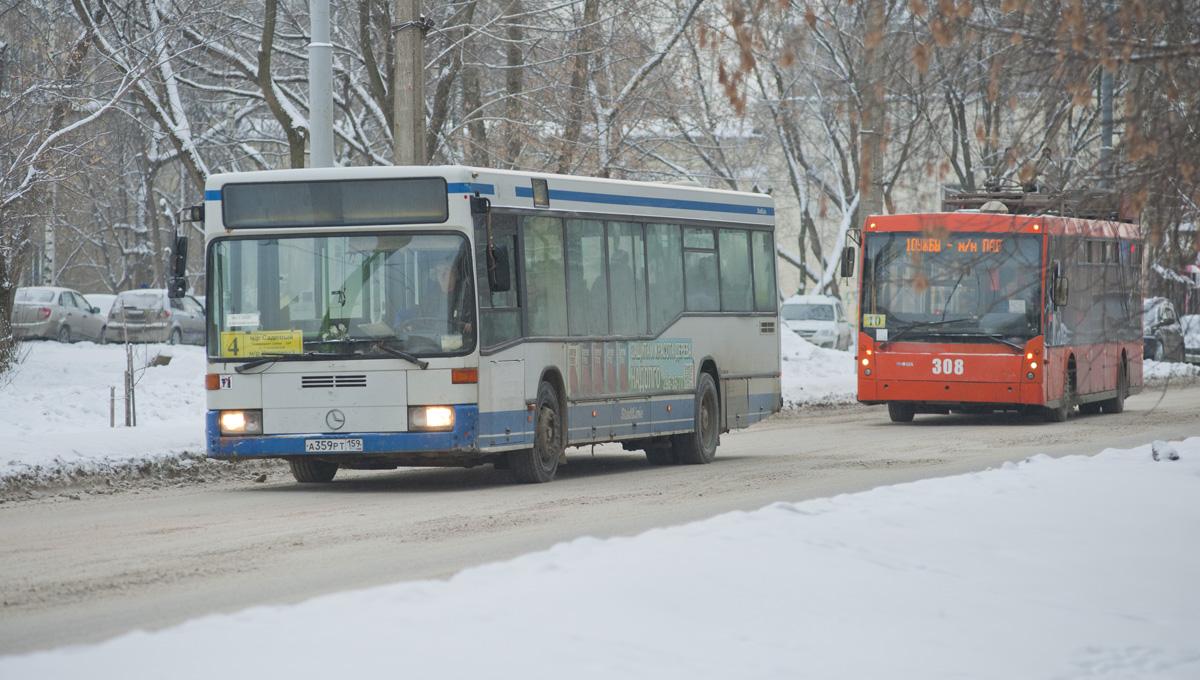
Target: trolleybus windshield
(359, 295)
(955, 285)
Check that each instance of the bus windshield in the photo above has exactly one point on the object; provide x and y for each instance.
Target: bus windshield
(360, 295)
(952, 285)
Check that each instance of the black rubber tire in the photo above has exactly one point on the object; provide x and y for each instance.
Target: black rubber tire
(64, 334)
(1160, 351)
(313, 471)
(540, 463)
(176, 337)
(103, 340)
(700, 445)
(900, 413)
(1060, 413)
(1117, 403)
(661, 454)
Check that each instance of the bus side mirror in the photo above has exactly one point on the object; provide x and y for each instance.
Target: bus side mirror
(1058, 293)
(177, 285)
(498, 269)
(848, 262)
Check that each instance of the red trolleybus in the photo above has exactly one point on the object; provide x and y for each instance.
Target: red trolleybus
(1001, 308)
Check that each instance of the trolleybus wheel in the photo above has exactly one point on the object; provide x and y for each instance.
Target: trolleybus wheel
(1061, 412)
(313, 471)
(900, 413)
(1117, 403)
(700, 445)
(539, 464)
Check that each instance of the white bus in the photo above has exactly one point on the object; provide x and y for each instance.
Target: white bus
(369, 318)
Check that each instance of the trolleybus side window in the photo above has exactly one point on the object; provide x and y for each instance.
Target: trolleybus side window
(664, 253)
(736, 286)
(700, 270)
(627, 278)
(545, 282)
(764, 271)
(587, 287)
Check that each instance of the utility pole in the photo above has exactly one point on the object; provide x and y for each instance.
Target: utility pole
(873, 113)
(320, 87)
(1106, 110)
(408, 135)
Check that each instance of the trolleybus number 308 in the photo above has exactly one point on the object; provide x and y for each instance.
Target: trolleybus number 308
(947, 366)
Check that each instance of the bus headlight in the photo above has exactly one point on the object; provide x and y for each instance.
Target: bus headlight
(430, 418)
(240, 422)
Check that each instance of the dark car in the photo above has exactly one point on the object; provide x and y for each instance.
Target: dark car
(1162, 335)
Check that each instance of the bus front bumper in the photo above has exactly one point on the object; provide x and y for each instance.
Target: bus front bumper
(449, 447)
(933, 392)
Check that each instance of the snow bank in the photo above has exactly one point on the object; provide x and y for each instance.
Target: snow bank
(813, 375)
(1158, 371)
(54, 407)
(1053, 568)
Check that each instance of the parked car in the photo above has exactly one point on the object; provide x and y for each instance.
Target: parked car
(55, 313)
(1162, 335)
(1191, 337)
(103, 301)
(819, 319)
(148, 315)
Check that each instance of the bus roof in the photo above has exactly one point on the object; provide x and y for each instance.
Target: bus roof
(515, 189)
(1001, 223)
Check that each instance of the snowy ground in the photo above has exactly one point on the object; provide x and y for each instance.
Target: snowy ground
(1157, 372)
(54, 408)
(1079, 567)
(815, 376)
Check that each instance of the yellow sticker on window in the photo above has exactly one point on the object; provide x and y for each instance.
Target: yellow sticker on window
(257, 343)
(874, 321)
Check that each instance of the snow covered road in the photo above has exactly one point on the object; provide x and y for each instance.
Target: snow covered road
(1079, 567)
(83, 570)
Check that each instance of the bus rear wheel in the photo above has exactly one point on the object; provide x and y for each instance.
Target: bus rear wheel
(313, 471)
(700, 445)
(1117, 403)
(540, 464)
(900, 413)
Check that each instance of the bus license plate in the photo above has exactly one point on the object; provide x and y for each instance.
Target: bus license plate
(333, 445)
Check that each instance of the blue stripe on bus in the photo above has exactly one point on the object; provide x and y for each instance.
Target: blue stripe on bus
(649, 202)
(470, 188)
(212, 195)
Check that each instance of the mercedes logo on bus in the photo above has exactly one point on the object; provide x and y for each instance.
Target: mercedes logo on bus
(335, 419)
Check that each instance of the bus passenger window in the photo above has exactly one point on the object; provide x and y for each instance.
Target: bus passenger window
(545, 283)
(587, 289)
(665, 256)
(700, 270)
(764, 271)
(627, 278)
(736, 292)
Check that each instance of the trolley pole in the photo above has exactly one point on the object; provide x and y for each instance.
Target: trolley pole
(320, 87)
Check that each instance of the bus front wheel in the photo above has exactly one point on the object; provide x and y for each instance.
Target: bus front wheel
(900, 413)
(540, 464)
(313, 471)
(700, 445)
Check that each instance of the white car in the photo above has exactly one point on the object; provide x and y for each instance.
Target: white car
(818, 319)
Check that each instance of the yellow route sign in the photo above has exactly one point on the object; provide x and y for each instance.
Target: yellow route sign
(874, 321)
(257, 343)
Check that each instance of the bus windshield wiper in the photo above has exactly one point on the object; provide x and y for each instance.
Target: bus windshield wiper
(272, 358)
(996, 337)
(401, 354)
(921, 325)
(382, 345)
